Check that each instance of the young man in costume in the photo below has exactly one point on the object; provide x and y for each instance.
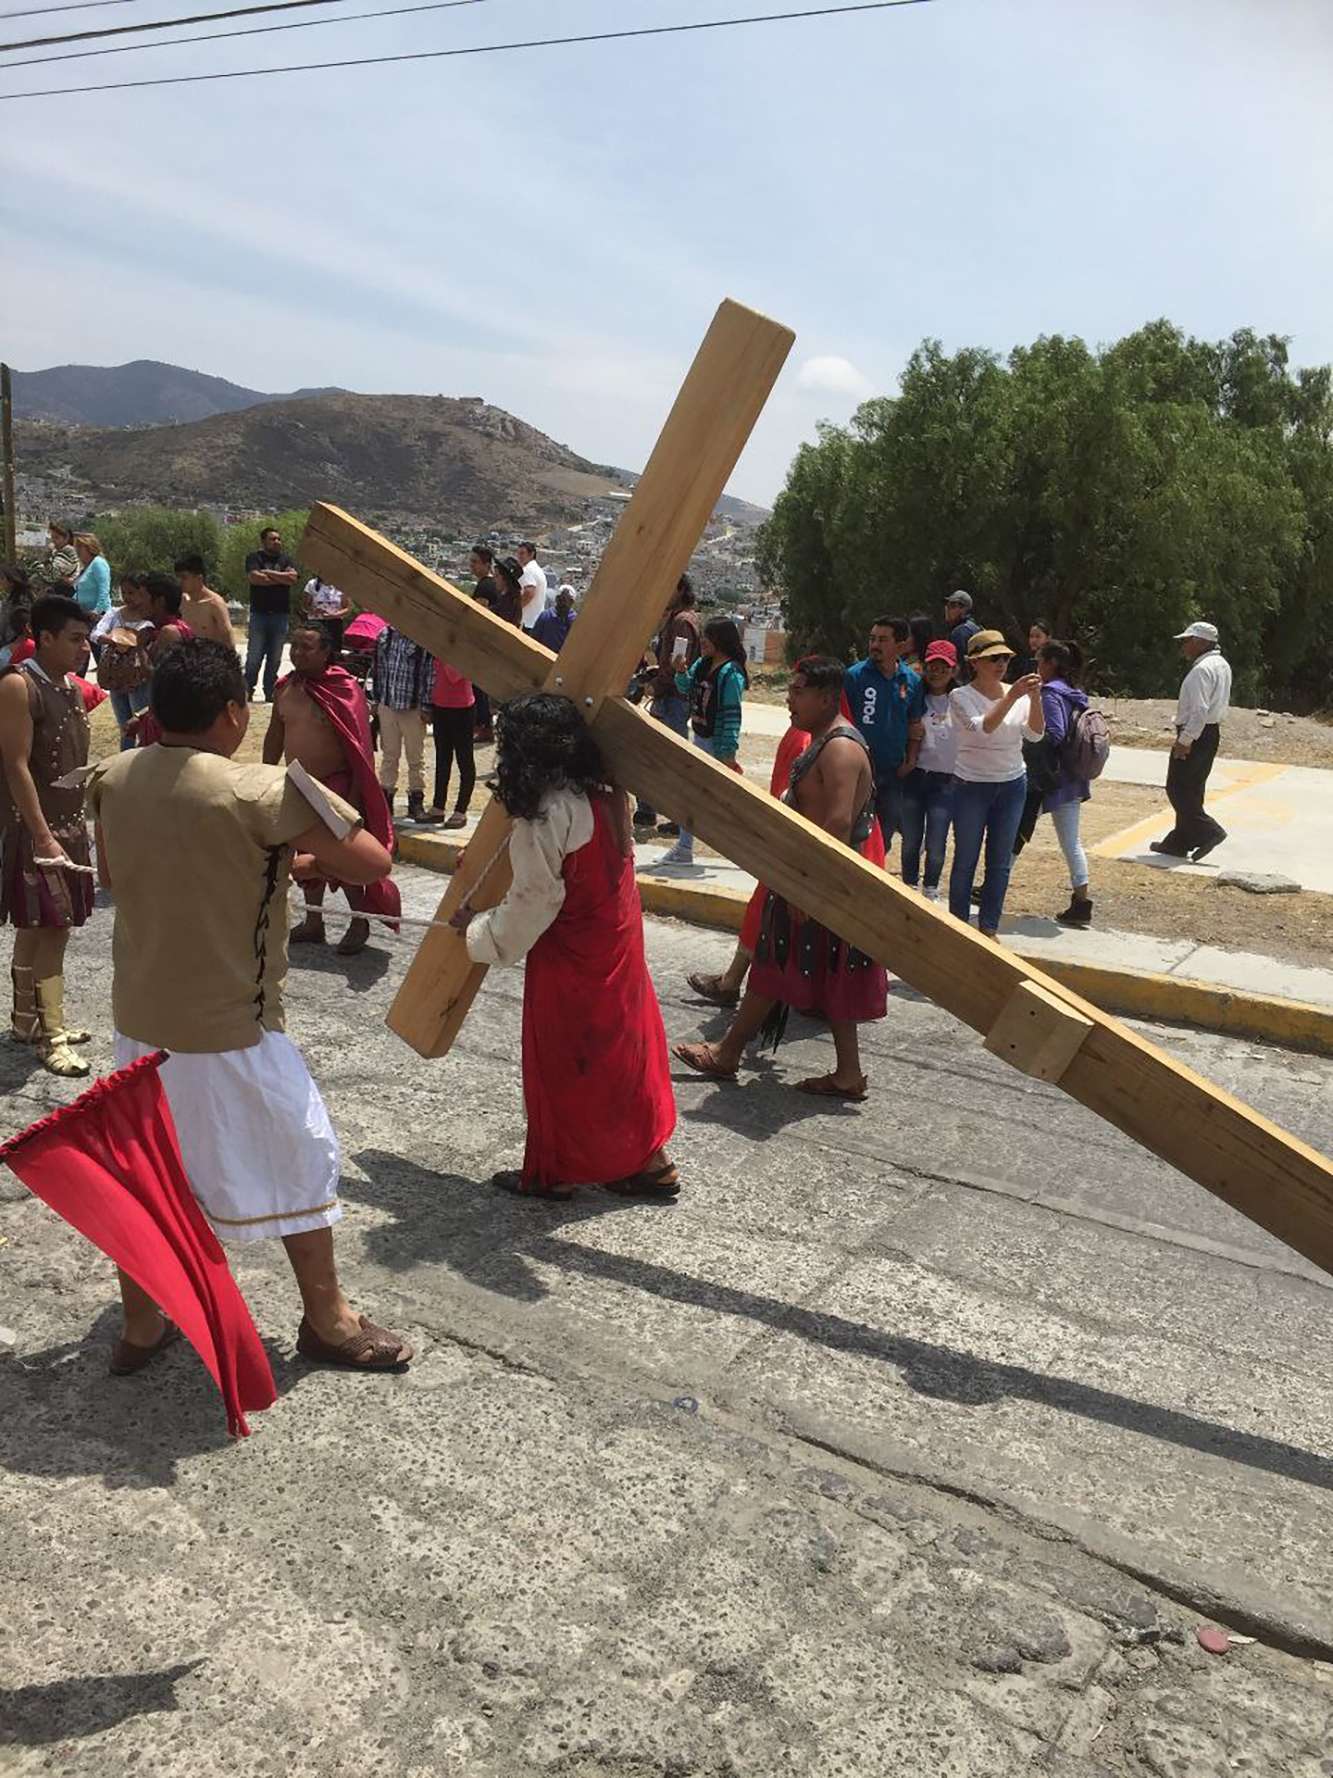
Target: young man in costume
(44, 737)
(596, 1078)
(798, 963)
(254, 1135)
(320, 718)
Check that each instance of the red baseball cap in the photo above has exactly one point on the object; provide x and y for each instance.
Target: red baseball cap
(942, 651)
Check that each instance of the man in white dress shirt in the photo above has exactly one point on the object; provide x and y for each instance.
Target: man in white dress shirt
(1205, 697)
(532, 584)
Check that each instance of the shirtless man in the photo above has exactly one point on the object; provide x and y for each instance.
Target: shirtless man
(204, 610)
(320, 718)
(798, 963)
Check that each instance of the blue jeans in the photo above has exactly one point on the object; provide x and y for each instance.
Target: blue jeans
(674, 711)
(889, 803)
(989, 813)
(686, 841)
(125, 704)
(927, 810)
(266, 636)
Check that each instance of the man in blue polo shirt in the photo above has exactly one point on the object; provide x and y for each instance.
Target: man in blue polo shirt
(887, 702)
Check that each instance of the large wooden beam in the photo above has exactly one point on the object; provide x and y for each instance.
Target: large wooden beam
(1268, 1175)
(723, 394)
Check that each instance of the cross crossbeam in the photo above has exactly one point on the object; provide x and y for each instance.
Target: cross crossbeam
(1268, 1175)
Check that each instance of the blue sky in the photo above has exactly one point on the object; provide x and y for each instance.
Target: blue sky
(552, 229)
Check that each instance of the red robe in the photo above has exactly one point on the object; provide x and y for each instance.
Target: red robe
(596, 1077)
(343, 702)
(110, 1165)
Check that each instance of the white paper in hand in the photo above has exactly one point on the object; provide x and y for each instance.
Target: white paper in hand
(313, 792)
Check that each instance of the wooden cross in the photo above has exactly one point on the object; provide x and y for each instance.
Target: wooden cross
(1028, 1018)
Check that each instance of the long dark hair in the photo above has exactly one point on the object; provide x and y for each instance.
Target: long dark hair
(509, 572)
(542, 743)
(20, 587)
(922, 630)
(1065, 657)
(726, 639)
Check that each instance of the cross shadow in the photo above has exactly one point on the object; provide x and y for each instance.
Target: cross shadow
(479, 1232)
(943, 1373)
(63, 1414)
(70, 1709)
(1031, 926)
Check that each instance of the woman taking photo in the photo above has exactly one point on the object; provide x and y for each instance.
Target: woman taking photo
(713, 688)
(1063, 701)
(992, 720)
(928, 789)
(92, 584)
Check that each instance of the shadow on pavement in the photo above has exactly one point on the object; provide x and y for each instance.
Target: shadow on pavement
(63, 1414)
(479, 1232)
(360, 973)
(68, 1709)
(941, 1372)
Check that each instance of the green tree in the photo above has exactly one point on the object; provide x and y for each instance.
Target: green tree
(144, 537)
(1117, 494)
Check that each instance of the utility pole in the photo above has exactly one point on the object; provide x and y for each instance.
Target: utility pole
(7, 445)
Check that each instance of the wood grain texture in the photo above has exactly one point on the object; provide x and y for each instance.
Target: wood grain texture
(1272, 1177)
(1037, 1033)
(721, 398)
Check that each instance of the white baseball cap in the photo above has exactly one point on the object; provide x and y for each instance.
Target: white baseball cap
(1197, 633)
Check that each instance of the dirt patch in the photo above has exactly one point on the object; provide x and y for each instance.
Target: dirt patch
(1265, 735)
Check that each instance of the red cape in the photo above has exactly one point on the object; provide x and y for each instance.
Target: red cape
(344, 704)
(111, 1166)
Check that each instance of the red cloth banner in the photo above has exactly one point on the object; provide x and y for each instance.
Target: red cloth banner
(110, 1165)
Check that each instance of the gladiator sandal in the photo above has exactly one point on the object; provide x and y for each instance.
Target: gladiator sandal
(23, 1025)
(53, 1041)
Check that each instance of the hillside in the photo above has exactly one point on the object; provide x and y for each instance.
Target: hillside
(410, 455)
(144, 393)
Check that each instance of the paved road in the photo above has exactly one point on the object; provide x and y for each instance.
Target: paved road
(913, 1438)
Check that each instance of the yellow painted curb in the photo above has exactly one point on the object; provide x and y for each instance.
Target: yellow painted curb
(1132, 993)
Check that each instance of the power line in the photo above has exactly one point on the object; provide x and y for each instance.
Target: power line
(198, 18)
(30, 12)
(128, 49)
(480, 49)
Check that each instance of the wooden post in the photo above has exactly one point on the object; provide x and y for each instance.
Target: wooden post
(7, 450)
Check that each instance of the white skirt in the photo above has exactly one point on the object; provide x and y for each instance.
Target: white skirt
(255, 1137)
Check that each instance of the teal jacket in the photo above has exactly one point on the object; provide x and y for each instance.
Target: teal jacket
(728, 690)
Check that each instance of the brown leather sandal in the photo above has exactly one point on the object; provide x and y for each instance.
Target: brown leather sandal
(511, 1181)
(824, 1086)
(661, 1186)
(693, 1056)
(127, 1358)
(373, 1349)
(709, 988)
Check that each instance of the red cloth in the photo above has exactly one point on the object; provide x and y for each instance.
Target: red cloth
(449, 690)
(92, 695)
(343, 702)
(110, 1165)
(596, 1077)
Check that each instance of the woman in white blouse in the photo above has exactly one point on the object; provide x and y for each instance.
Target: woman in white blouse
(992, 721)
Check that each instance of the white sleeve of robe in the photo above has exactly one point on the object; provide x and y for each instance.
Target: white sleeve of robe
(537, 852)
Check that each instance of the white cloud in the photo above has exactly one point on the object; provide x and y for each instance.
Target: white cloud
(833, 376)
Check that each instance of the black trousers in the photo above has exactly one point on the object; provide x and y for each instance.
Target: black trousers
(453, 741)
(1186, 780)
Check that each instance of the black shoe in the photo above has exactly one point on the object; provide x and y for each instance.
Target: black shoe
(1201, 852)
(672, 828)
(1165, 850)
(644, 821)
(1078, 914)
(389, 798)
(416, 805)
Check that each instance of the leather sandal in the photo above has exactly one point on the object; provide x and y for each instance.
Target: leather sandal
(709, 987)
(824, 1086)
(660, 1185)
(127, 1358)
(372, 1349)
(511, 1181)
(692, 1055)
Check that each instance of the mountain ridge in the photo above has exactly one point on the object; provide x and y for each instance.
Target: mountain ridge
(144, 392)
